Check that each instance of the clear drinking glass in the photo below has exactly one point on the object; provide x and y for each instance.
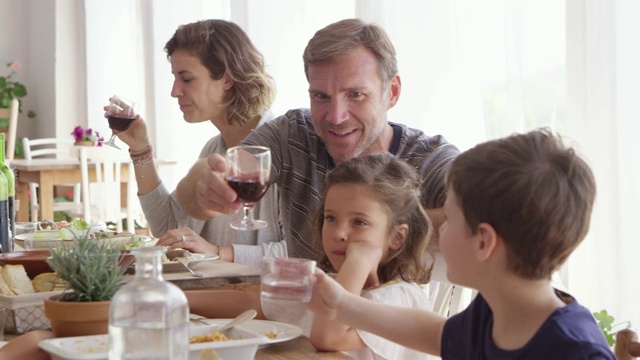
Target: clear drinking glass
(120, 113)
(149, 317)
(286, 279)
(248, 173)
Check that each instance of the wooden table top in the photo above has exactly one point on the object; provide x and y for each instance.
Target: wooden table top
(216, 273)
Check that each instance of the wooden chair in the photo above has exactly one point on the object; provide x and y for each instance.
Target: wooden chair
(10, 138)
(50, 147)
(627, 346)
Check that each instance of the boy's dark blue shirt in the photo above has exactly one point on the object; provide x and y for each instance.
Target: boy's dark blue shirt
(569, 333)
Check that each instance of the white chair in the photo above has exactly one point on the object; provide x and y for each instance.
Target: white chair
(50, 147)
(447, 298)
(102, 197)
(10, 138)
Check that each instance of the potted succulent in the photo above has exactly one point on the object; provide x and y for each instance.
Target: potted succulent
(91, 270)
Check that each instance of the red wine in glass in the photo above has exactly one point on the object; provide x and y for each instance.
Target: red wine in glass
(120, 113)
(249, 190)
(248, 170)
(119, 123)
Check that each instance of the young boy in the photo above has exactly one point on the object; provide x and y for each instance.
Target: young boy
(515, 209)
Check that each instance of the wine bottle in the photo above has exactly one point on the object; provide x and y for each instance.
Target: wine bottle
(5, 246)
(11, 183)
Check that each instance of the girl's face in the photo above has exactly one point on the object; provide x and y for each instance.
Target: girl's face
(353, 213)
(199, 96)
(456, 241)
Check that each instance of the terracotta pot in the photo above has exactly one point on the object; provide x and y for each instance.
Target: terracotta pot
(71, 318)
(85, 143)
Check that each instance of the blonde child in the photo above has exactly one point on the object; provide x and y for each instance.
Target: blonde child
(515, 210)
(375, 235)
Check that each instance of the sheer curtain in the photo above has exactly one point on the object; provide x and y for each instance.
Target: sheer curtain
(470, 70)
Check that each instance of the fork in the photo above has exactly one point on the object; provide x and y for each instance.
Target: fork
(185, 263)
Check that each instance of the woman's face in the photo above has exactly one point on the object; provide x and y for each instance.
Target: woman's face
(199, 96)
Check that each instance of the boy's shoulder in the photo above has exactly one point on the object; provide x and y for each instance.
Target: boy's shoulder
(569, 333)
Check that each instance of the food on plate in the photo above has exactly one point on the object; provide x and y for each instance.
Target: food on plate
(16, 280)
(271, 335)
(172, 255)
(208, 354)
(212, 336)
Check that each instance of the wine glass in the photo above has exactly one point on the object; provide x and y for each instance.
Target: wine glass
(248, 172)
(120, 113)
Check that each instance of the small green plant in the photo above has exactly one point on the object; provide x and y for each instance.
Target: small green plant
(609, 329)
(89, 266)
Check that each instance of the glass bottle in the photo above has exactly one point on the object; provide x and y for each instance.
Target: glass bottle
(149, 317)
(11, 184)
(5, 222)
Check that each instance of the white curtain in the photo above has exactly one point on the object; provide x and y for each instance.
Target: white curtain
(470, 70)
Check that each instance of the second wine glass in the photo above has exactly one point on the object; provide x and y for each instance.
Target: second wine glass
(248, 173)
(120, 113)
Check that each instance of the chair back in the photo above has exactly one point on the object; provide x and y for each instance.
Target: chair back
(54, 148)
(447, 298)
(46, 147)
(12, 114)
(102, 197)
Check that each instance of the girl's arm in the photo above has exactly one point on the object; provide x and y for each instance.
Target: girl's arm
(361, 261)
(413, 328)
(223, 303)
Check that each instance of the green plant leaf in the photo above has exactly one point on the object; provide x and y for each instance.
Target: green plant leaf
(19, 90)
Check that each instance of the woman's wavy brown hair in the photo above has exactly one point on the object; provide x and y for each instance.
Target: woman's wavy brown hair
(396, 185)
(223, 47)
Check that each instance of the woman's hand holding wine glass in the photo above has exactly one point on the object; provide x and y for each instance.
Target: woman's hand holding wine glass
(248, 173)
(120, 113)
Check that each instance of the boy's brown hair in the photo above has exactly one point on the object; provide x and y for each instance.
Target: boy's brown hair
(536, 193)
(395, 185)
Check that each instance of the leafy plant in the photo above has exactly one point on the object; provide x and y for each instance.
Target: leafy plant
(605, 322)
(10, 89)
(89, 266)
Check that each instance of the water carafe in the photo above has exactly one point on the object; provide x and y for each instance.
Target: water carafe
(149, 317)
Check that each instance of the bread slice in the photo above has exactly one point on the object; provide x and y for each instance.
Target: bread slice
(4, 288)
(16, 278)
(44, 282)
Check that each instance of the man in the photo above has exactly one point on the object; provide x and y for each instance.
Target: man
(353, 81)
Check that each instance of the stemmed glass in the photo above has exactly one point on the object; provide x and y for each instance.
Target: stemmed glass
(120, 113)
(248, 172)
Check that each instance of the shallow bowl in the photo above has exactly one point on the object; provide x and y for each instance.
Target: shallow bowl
(35, 261)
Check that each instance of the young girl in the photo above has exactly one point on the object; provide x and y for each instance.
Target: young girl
(375, 235)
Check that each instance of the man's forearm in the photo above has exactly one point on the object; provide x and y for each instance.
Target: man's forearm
(186, 192)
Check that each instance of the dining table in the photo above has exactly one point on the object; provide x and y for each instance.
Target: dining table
(223, 275)
(49, 172)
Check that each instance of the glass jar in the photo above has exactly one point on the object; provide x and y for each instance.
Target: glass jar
(149, 317)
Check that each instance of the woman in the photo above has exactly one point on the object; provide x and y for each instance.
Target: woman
(219, 76)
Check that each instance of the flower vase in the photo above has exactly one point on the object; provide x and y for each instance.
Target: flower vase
(85, 143)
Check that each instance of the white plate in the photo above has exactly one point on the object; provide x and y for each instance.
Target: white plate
(195, 259)
(49, 238)
(94, 347)
(283, 331)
